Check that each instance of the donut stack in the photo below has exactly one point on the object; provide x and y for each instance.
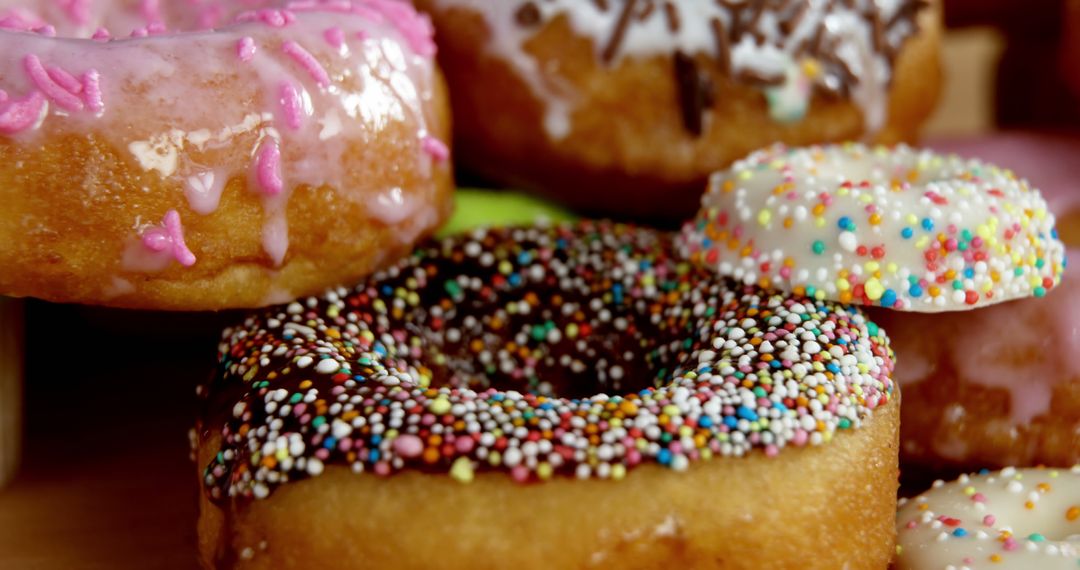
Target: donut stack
(546, 395)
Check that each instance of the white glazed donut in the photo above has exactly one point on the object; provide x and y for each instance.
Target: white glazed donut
(1013, 519)
(901, 228)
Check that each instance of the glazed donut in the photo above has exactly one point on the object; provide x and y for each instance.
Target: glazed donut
(626, 107)
(297, 147)
(1013, 519)
(909, 230)
(549, 397)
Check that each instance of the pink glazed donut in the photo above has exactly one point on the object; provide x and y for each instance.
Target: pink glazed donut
(214, 153)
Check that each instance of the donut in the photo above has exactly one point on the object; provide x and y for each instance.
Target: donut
(549, 397)
(933, 245)
(289, 148)
(1013, 519)
(624, 108)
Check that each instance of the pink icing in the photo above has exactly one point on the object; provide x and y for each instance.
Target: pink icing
(416, 28)
(307, 61)
(335, 37)
(180, 138)
(245, 48)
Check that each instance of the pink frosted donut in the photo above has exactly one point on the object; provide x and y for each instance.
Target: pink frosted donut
(213, 154)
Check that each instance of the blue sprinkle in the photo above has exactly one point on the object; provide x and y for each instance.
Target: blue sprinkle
(969, 273)
(927, 224)
(731, 422)
(888, 298)
(833, 367)
(845, 223)
(663, 457)
(524, 258)
(960, 532)
(746, 413)
(330, 442)
(617, 293)
(376, 439)
(705, 422)
(907, 233)
(915, 291)
(373, 455)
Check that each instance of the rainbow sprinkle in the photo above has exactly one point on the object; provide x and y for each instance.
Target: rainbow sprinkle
(893, 227)
(579, 350)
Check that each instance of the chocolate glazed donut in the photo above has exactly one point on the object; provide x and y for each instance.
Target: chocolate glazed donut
(539, 397)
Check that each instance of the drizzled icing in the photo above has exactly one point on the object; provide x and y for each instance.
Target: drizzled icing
(580, 350)
(786, 48)
(267, 90)
(899, 228)
(1013, 519)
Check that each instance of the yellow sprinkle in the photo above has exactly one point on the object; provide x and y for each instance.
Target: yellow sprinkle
(440, 406)
(843, 284)
(544, 470)
(764, 217)
(462, 470)
(874, 289)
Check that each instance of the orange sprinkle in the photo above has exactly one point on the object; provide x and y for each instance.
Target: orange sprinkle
(1072, 514)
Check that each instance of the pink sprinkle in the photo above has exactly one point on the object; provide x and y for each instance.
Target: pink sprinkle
(268, 167)
(156, 239)
(979, 498)
(771, 450)
(343, 6)
(150, 11)
(100, 35)
(1011, 544)
(435, 147)
(307, 61)
(50, 88)
(800, 438)
(270, 17)
(46, 30)
(335, 37)
(408, 446)
(911, 525)
(91, 81)
(176, 234)
(21, 114)
(78, 11)
(20, 21)
(65, 80)
(464, 444)
(291, 105)
(382, 469)
(209, 17)
(520, 473)
(245, 48)
(989, 520)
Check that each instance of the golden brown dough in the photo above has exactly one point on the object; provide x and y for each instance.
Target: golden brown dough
(628, 151)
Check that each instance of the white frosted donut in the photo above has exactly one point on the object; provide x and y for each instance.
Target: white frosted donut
(1013, 519)
(899, 227)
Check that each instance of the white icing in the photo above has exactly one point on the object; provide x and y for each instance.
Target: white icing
(904, 226)
(1015, 519)
(845, 26)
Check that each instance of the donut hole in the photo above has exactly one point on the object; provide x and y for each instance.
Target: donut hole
(560, 322)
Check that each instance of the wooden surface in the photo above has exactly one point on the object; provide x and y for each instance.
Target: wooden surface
(106, 481)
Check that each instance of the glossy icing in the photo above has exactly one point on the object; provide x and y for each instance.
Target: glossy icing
(901, 228)
(785, 48)
(274, 97)
(1014, 519)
